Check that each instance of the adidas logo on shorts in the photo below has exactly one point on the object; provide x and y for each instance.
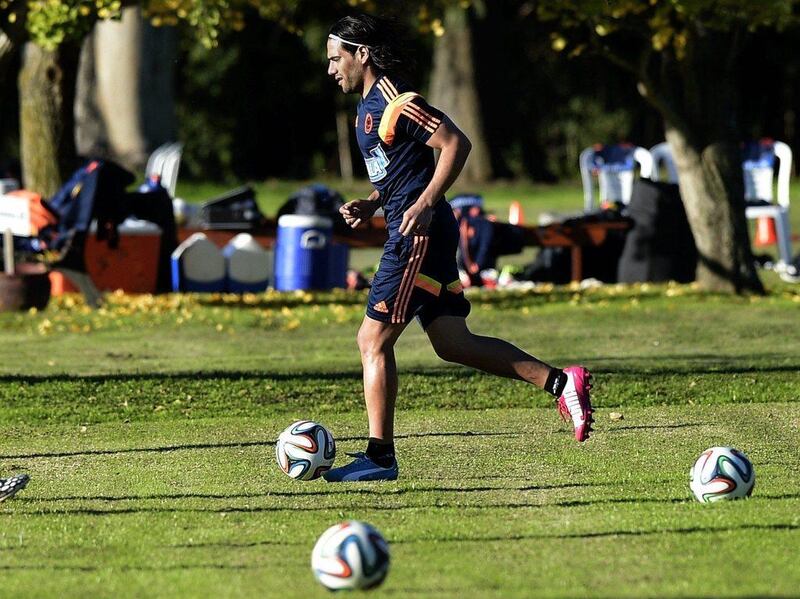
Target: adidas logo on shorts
(381, 307)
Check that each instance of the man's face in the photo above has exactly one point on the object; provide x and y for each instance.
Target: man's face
(346, 68)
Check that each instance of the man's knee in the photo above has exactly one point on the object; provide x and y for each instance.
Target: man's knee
(372, 341)
(364, 340)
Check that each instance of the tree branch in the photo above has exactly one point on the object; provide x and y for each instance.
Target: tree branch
(12, 21)
(655, 94)
(6, 47)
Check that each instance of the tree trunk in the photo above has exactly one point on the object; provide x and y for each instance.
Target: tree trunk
(453, 90)
(47, 93)
(713, 195)
(127, 83)
(7, 52)
(91, 137)
(698, 97)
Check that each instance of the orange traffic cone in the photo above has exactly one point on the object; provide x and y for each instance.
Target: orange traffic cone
(765, 231)
(515, 214)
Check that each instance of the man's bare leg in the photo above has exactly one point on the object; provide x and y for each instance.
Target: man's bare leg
(376, 343)
(454, 342)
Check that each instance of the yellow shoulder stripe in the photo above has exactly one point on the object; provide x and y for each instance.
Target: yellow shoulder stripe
(391, 114)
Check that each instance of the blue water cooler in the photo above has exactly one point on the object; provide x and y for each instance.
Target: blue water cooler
(303, 252)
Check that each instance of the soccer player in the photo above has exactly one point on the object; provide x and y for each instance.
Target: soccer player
(397, 133)
(13, 485)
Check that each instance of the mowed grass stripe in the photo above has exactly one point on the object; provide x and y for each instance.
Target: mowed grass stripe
(202, 396)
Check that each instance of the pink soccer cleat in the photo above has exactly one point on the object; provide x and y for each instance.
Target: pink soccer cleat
(574, 403)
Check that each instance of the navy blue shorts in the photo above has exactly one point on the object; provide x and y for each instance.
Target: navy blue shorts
(418, 275)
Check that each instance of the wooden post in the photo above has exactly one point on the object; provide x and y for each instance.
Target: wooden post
(343, 135)
(8, 252)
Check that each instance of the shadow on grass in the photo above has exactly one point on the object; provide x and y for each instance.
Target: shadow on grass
(194, 446)
(693, 364)
(610, 533)
(176, 567)
(338, 491)
(79, 511)
(613, 429)
(236, 545)
(219, 375)
(672, 364)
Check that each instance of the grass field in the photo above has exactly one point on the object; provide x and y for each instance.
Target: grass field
(148, 428)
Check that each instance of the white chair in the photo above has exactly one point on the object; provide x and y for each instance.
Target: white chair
(663, 162)
(614, 166)
(164, 163)
(758, 168)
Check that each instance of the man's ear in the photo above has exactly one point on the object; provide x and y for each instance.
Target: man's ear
(363, 54)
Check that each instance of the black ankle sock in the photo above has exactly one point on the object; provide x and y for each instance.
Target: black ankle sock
(381, 453)
(556, 381)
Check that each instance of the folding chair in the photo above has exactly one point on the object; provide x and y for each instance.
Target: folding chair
(663, 162)
(758, 167)
(163, 165)
(614, 166)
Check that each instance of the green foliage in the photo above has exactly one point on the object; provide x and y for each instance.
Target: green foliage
(255, 106)
(52, 22)
(579, 123)
(202, 99)
(664, 24)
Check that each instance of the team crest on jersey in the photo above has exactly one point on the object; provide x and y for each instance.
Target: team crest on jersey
(368, 123)
(376, 164)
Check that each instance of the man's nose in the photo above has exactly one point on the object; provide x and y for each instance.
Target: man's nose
(331, 68)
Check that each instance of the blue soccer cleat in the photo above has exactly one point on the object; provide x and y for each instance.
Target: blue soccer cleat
(11, 486)
(361, 469)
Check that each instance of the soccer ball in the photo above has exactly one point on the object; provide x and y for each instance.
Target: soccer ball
(350, 555)
(305, 450)
(721, 473)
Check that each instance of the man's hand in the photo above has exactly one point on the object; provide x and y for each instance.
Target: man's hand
(416, 219)
(358, 211)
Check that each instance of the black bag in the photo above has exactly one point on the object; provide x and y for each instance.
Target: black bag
(316, 200)
(155, 206)
(552, 265)
(235, 209)
(660, 247)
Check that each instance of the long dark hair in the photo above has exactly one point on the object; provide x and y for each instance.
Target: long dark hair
(385, 38)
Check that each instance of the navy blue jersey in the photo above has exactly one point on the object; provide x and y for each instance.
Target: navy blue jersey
(392, 127)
